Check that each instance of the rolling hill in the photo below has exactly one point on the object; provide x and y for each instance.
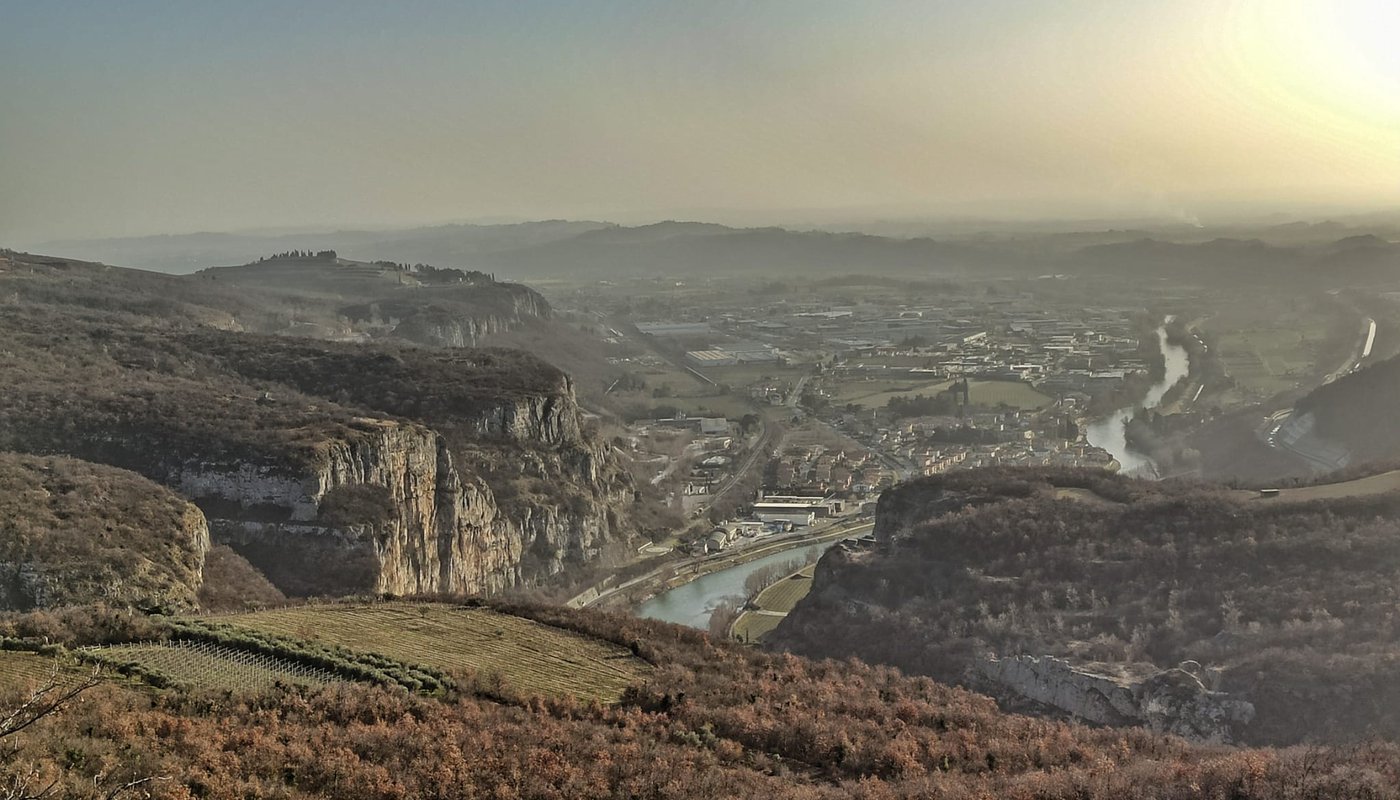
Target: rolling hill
(1215, 614)
(696, 719)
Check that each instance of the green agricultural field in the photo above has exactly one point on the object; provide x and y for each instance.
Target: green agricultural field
(748, 374)
(1271, 346)
(780, 598)
(729, 406)
(783, 595)
(1266, 362)
(530, 657)
(751, 628)
(1015, 394)
(199, 665)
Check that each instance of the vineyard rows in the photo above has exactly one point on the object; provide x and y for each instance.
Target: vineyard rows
(21, 669)
(530, 657)
(204, 665)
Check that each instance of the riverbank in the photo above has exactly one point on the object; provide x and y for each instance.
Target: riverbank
(768, 608)
(678, 575)
(1111, 432)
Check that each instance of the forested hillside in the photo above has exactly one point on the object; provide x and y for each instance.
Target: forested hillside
(1358, 411)
(1264, 619)
(75, 532)
(704, 720)
(334, 467)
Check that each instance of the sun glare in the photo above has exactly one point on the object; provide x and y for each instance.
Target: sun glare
(1327, 69)
(1362, 37)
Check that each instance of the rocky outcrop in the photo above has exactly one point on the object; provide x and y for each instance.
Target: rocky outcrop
(900, 509)
(551, 419)
(493, 309)
(1173, 701)
(335, 467)
(73, 532)
(446, 531)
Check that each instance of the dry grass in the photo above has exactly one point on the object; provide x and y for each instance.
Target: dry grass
(529, 657)
(1083, 495)
(1360, 487)
(751, 628)
(877, 392)
(783, 595)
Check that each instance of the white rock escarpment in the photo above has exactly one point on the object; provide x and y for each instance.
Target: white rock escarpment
(1173, 701)
(448, 533)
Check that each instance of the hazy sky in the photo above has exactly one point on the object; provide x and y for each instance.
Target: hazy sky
(132, 117)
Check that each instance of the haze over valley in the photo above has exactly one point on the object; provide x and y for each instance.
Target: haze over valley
(803, 400)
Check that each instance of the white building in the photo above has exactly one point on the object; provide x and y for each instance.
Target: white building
(800, 515)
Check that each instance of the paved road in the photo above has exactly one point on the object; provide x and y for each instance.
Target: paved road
(1362, 352)
(796, 393)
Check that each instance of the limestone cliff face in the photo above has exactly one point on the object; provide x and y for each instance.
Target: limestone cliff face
(508, 307)
(445, 531)
(551, 419)
(1173, 701)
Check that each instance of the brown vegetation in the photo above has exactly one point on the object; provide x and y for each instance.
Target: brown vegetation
(1293, 601)
(709, 721)
(73, 532)
(1357, 411)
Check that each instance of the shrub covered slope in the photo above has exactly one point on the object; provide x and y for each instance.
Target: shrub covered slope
(1290, 606)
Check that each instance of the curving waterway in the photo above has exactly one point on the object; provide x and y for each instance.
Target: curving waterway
(692, 603)
(1110, 432)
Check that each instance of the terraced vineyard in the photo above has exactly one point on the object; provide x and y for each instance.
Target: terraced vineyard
(528, 656)
(21, 669)
(201, 665)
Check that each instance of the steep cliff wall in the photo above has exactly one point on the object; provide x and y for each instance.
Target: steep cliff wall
(445, 530)
(477, 475)
(449, 320)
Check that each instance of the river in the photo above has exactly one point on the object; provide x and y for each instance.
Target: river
(1110, 433)
(692, 603)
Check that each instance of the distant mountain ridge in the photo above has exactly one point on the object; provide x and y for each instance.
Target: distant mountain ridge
(1311, 253)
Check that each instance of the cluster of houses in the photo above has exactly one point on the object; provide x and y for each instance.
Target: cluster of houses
(935, 444)
(821, 468)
